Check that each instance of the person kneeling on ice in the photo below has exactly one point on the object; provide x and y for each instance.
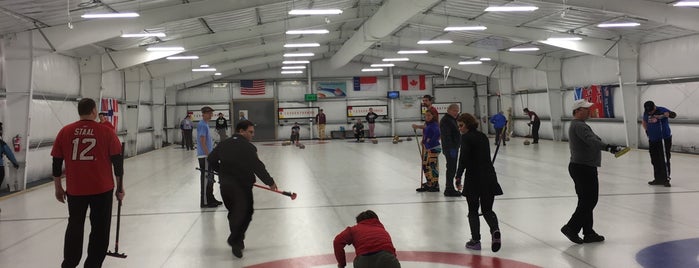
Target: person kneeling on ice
(358, 129)
(480, 181)
(372, 244)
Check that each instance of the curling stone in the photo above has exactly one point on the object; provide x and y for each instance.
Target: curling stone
(301, 146)
(286, 143)
(526, 142)
(395, 142)
(374, 141)
(409, 138)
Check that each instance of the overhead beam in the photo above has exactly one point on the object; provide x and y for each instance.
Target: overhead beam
(131, 57)
(96, 30)
(386, 20)
(588, 45)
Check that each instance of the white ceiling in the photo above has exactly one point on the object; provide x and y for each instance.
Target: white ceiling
(222, 32)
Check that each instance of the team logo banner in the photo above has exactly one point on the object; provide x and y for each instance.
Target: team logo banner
(601, 97)
(327, 90)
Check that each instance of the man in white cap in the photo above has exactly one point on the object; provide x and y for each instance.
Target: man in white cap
(585, 156)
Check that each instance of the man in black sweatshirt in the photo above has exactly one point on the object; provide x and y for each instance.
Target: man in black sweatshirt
(236, 161)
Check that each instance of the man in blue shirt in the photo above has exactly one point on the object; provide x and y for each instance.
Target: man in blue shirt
(657, 127)
(499, 121)
(204, 147)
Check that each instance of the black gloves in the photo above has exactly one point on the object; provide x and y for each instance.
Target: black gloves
(673, 114)
(15, 165)
(613, 148)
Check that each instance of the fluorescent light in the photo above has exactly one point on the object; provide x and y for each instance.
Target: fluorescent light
(465, 28)
(372, 70)
(298, 55)
(307, 31)
(430, 42)
(183, 58)
(618, 24)
(485, 59)
(109, 15)
(292, 72)
(302, 45)
(204, 70)
(523, 49)
(395, 59)
(204, 66)
(315, 12)
(511, 8)
(412, 52)
(383, 65)
(550, 39)
(470, 62)
(295, 62)
(165, 49)
(217, 74)
(293, 67)
(686, 4)
(144, 35)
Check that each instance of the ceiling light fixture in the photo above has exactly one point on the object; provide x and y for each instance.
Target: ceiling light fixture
(618, 24)
(395, 59)
(204, 66)
(465, 28)
(412, 52)
(431, 42)
(553, 39)
(217, 74)
(292, 72)
(293, 67)
(515, 49)
(686, 4)
(288, 55)
(295, 62)
(323, 31)
(372, 70)
(183, 58)
(510, 8)
(470, 62)
(383, 65)
(165, 49)
(485, 59)
(315, 12)
(143, 35)
(204, 70)
(110, 15)
(302, 45)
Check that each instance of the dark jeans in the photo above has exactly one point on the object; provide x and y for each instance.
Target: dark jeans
(383, 259)
(238, 200)
(100, 220)
(452, 156)
(486, 205)
(660, 158)
(187, 134)
(206, 195)
(498, 135)
(359, 134)
(2, 175)
(587, 189)
(535, 131)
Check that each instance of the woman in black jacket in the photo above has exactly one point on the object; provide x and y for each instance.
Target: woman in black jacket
(480, 181)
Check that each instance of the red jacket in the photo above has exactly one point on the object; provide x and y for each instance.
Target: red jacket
(368, 236)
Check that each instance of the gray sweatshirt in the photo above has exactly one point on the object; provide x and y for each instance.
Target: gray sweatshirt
(585, 146)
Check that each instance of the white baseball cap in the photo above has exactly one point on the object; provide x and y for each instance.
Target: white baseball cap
(581, 104)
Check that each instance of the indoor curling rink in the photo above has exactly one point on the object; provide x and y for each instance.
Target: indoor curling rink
(163, 226)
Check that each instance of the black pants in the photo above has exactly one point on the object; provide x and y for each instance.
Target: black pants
(206, 195)
(2, 176)
(498, 135)
(660, 158)
(189, 144)
(100, 220)
(381, 259)
(359, 134)
(587, 189)
(238, 200)
(535, 131)
(452, 156)
(486, 205)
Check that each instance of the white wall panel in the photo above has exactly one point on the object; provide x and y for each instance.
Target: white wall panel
(145, 117)
(536, 102)
(53, 73)
(48, 117)
(39, 163)
(291, 90)
(145, 142)
(113, 85)
(670, 58)
(146, 92)
(525, 78)
(587, 70)
(207, 93)
(681, 98)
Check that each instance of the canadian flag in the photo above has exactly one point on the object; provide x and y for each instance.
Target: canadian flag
(412, 82)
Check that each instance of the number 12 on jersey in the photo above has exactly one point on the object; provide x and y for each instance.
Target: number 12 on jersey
(85, 154)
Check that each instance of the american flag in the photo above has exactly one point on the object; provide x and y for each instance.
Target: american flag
(252, 87)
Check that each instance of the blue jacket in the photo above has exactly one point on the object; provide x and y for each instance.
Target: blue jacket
(655, 126)
(430, 135)
(498, 120)
(5, 150)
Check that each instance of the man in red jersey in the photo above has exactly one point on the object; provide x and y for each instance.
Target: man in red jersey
(371, 242)
(89, 149)
(103, 120)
